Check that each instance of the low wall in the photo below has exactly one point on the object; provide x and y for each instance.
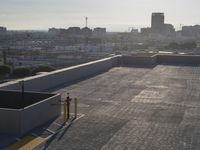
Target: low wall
(21, 121)
(178, 59)
(66, 75)
(40, 113)
(139, 60)
(10, 121)
(169, 59)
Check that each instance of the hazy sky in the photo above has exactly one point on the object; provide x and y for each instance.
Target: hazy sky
(113, 14)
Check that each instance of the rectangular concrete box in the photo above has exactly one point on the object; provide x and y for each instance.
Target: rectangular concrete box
(20, 114)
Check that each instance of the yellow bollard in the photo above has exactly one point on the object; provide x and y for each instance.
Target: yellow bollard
(75, 108)
(65, 112)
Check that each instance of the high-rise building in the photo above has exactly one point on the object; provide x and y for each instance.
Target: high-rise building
(157, 22)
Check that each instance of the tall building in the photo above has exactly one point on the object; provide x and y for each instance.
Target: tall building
(157, 22)
(158, 26)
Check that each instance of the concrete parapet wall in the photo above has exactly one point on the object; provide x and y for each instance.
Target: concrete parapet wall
(40, 113)
(21, 121)
(10, 121)
(139, 60)
(178, 59)
(66, 75)
(172, 59)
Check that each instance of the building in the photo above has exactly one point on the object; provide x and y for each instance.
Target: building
(168, 29)
(99, 31)
(145, 31)
(124, 102)
(192, 31)
(74, 30)
(71, 31)
(157, 22)
(86, 31)
(135, 31)
(158, 26)
(54, 31)
(3, 29)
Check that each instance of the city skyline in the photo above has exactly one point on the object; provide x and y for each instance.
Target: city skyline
(114, 15)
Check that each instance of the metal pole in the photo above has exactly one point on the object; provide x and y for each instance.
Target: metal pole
(65, 112)
(68, 107)
(75, 108)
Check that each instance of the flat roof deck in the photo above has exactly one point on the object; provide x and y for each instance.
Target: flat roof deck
(135, 108)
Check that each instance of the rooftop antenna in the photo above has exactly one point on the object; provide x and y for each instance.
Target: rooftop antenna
(86, 22)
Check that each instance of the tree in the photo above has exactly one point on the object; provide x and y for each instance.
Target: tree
(4, 70)
(45, 68)
(21, 72)
(188, 45)
(174, 45)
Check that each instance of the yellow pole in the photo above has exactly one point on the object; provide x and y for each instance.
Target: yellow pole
(75, 108)
(65, 112)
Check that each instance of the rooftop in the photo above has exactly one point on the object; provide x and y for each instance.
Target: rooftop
(126, 102)
(135, 108)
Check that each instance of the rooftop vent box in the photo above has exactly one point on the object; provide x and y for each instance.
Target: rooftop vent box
(20, 112)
